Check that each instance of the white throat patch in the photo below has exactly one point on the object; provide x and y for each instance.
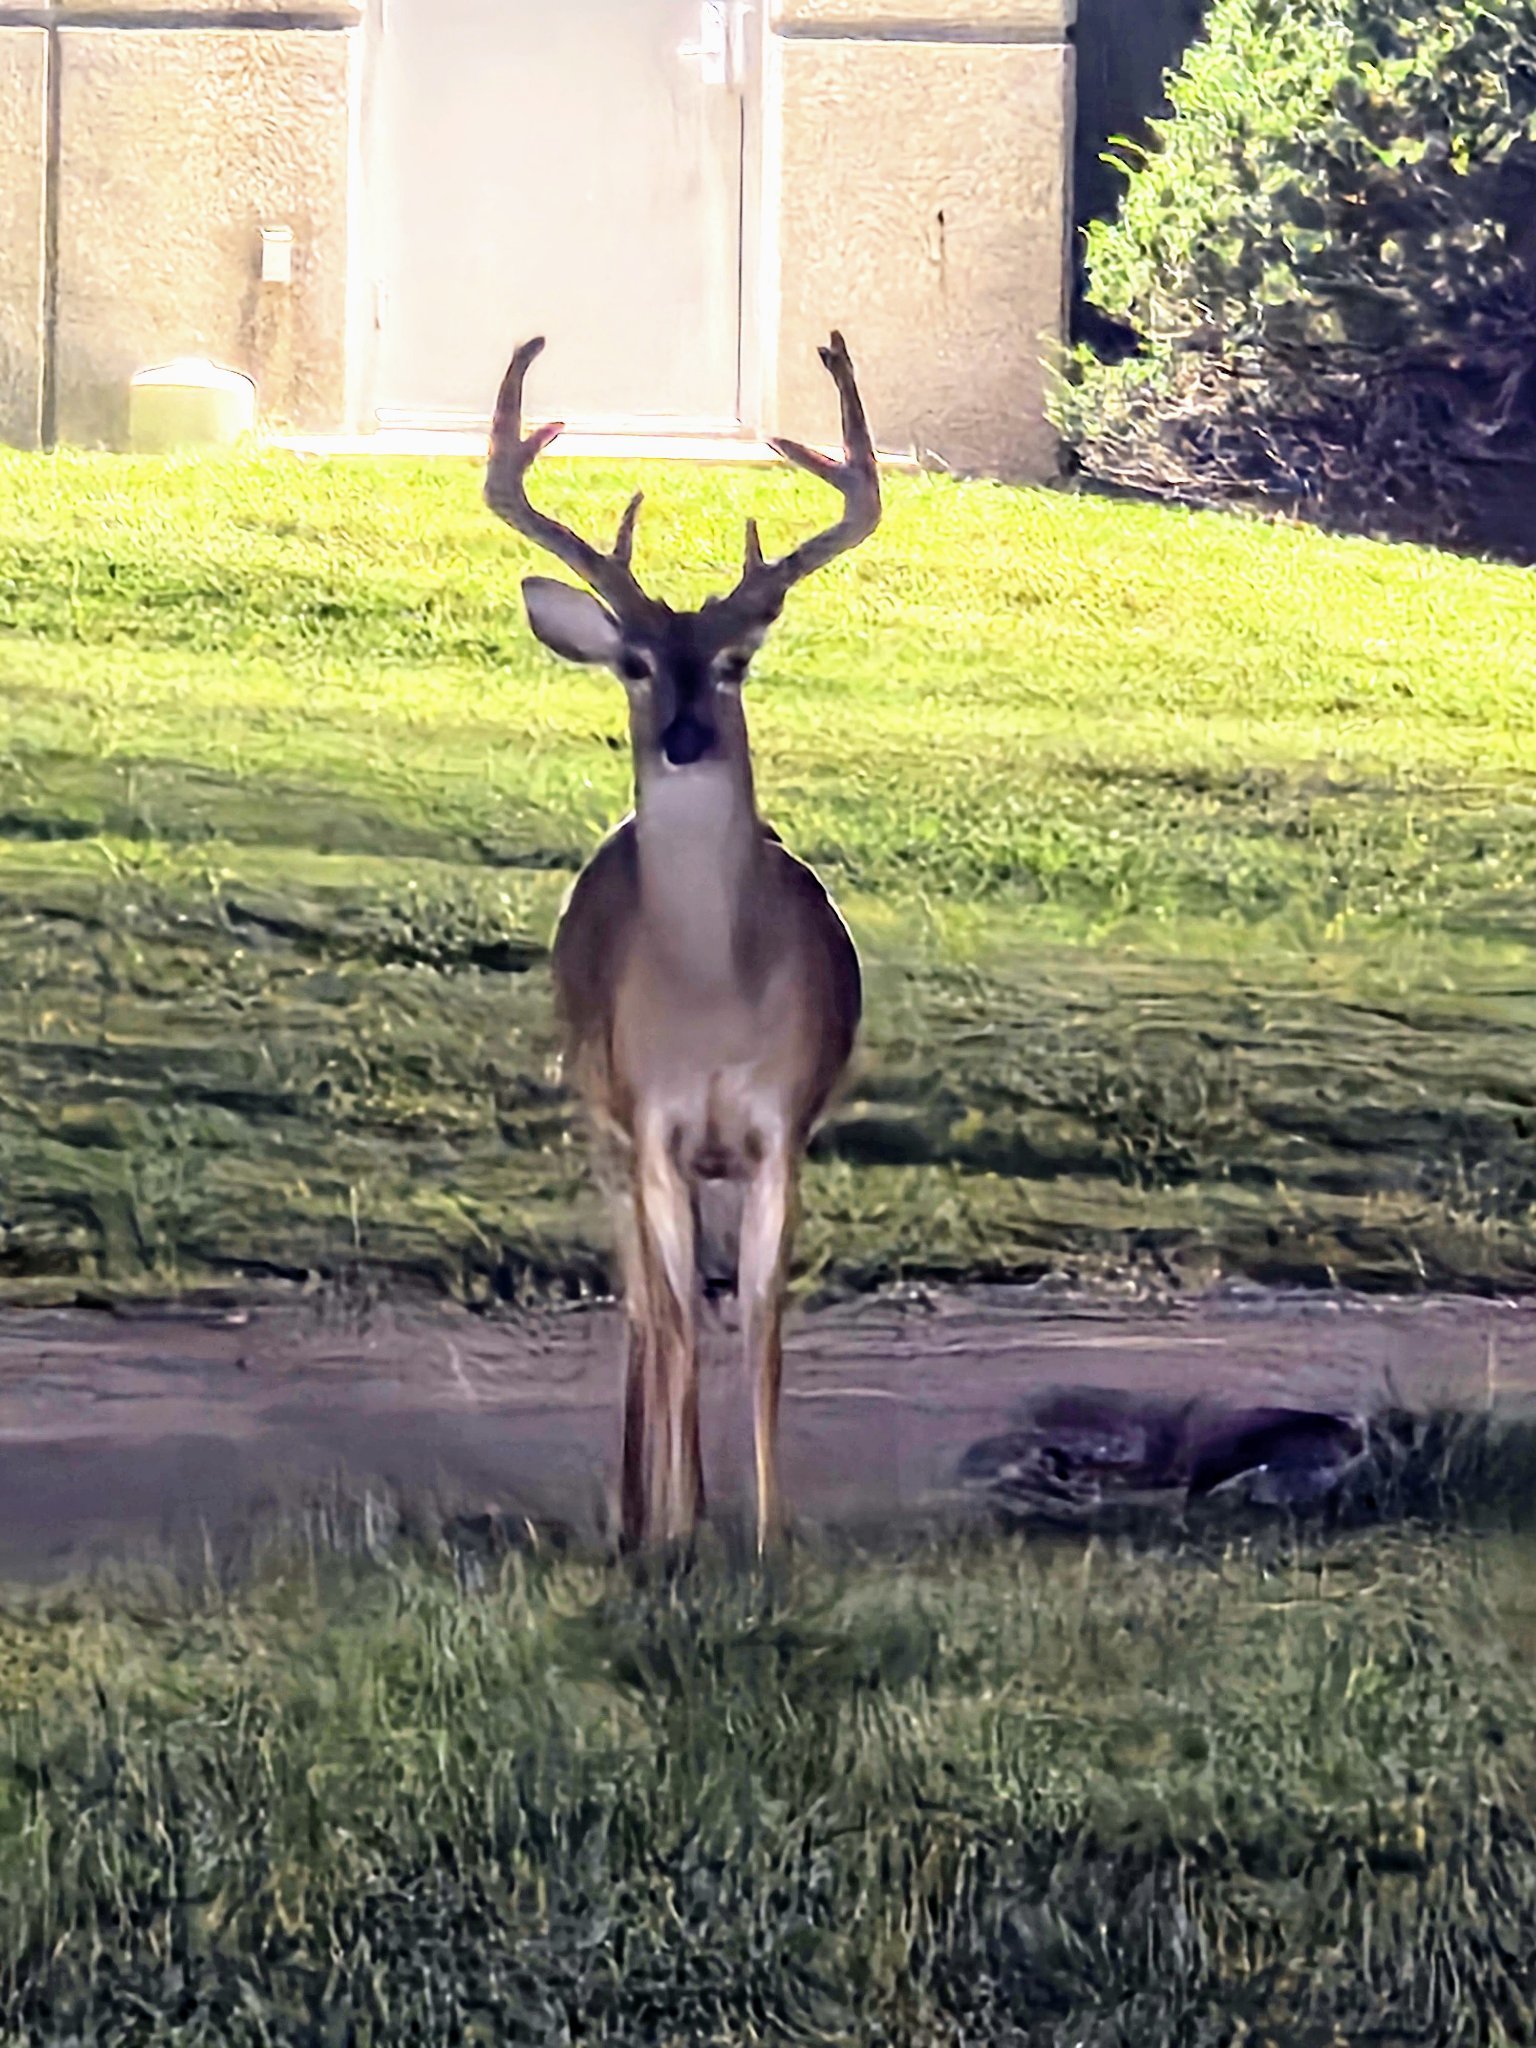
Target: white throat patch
(698, 805)
(689, 825)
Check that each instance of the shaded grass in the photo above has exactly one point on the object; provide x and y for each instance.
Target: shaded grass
(965, 1790)
(1189, 858)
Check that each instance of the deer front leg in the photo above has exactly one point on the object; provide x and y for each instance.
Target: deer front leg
(641, 1393)
(666, 1235)
(767, 1226)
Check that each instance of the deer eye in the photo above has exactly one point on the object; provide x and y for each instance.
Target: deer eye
(633, 667)
(732, 668)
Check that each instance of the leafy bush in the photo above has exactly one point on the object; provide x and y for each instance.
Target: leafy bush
(1327, 258)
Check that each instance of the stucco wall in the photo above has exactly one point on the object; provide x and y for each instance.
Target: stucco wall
(177, 146)
(915, 191)
(972, 20)
(23, 133)
(919, 188)
(281, 11)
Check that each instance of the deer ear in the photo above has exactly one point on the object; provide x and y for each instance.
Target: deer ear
(571, 623)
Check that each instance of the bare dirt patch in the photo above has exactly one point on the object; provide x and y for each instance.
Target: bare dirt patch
(172, 1425)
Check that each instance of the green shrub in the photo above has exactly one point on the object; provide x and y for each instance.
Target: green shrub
(1326, 257)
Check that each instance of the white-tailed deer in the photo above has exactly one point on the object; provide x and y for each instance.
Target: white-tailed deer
(708, 992)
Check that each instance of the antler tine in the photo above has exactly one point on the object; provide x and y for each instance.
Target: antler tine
(624, 545)
(857, 477)
(512, 455)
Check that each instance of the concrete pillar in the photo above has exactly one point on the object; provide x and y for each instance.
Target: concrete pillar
(917, 194)
(175, 146)
(23, 184)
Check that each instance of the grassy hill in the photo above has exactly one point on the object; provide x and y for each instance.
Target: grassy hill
(1192, 861)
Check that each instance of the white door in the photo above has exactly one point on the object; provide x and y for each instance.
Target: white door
(571, 168)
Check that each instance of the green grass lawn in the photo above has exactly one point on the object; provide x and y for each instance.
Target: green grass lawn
(1193, 861)
(1192, 864)
(974, 1792)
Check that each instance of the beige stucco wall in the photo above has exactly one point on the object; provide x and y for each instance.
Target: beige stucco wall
(287, 10)
(918, 197)
(978, 20)
(914, 191)
(176, 148)
(23, 145)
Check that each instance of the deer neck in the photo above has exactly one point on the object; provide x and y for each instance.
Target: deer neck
(700, 845)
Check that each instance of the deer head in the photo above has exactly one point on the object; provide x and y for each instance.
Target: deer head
(682, 670)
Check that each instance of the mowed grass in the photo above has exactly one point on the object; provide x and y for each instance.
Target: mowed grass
(970, 1791)
(1190, 858)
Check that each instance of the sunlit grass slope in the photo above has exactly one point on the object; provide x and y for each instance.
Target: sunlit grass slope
(1192, 861)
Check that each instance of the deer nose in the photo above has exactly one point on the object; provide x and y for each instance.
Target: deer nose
(685, 741)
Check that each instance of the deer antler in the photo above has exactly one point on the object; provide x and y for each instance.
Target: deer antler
(512, 455)
(764, 585)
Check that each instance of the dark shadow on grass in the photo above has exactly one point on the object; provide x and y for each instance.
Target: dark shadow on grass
(1159, 1472)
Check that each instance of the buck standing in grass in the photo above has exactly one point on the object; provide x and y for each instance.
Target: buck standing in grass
(708, 992)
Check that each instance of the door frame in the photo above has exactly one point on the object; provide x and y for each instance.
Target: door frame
(366, 308)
